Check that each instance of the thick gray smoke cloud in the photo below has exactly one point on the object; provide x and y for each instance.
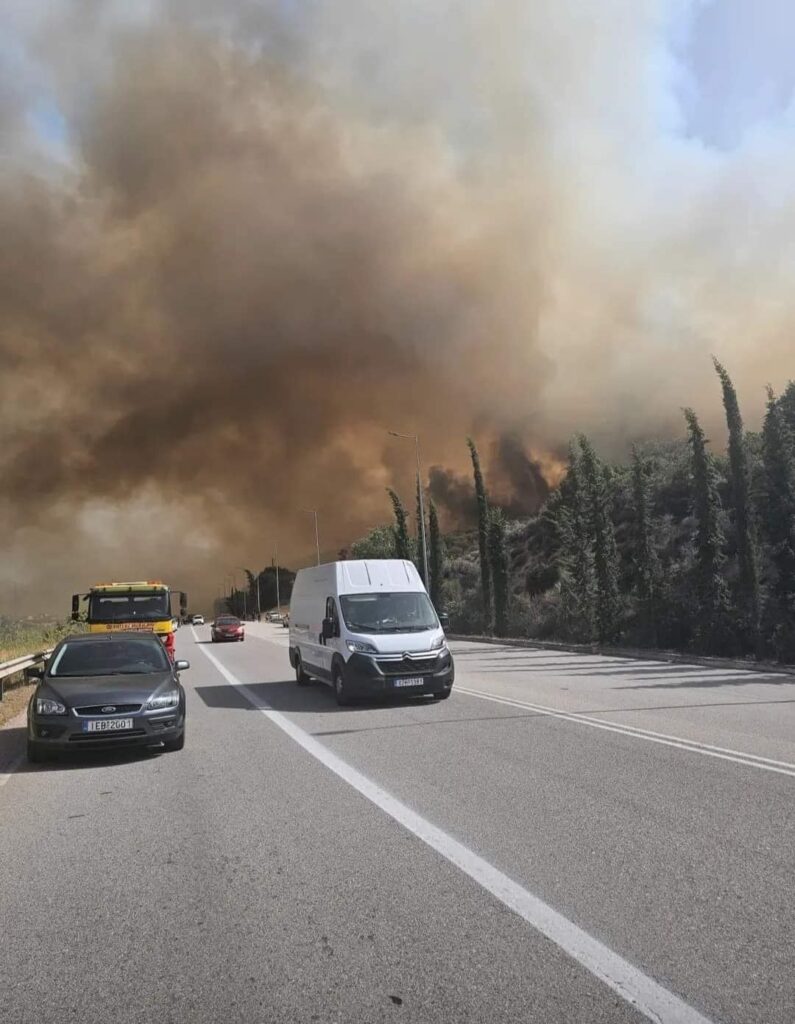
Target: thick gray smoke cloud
(272, 234)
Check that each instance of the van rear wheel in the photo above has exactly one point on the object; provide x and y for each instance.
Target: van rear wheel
(300, 676)
(339, 687)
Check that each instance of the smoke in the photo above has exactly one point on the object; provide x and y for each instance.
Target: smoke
(516, 481)
(455, 497)
(266, 234)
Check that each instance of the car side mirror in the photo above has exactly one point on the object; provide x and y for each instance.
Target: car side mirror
(34, 672)
(328, 629)
(180, 666)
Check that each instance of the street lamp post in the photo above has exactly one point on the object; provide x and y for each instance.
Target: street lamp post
(276, 560)
(416, 439)
(313, 511)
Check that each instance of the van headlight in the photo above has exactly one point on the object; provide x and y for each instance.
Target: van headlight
(439, 644)
(360, 647)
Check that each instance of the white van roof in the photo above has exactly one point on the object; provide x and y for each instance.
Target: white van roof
(367, 575)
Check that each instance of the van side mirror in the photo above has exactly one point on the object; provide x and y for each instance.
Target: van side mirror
(327, 629)
(444, 620)
(180, 666)
(75, 607)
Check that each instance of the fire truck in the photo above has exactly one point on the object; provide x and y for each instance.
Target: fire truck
(143, 605)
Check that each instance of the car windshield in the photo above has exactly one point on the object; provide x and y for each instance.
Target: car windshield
(388, 613)
(129, 607)
(227, 622)
(133, 656)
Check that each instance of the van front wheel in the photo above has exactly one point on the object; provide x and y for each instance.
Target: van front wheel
(339, 687)
(300, 676)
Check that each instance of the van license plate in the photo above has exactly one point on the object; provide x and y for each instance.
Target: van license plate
(413, 681)
(108, 725)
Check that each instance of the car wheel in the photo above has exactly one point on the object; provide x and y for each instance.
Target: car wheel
(35, 753)
(177, 744)
(300, 676)
(339, 687)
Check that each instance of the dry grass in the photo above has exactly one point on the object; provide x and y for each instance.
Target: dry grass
(14, 701)
(18, 638)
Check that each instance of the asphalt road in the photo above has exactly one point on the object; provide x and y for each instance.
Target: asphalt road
(301, 862)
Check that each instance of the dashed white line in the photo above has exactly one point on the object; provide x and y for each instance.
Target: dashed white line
(693, 746)
(629, 982)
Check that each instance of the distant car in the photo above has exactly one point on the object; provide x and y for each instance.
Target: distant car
(275, 616)
(111, 690)
(198, 620)
(227, 627)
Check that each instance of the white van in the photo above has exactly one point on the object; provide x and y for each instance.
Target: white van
(368, 629)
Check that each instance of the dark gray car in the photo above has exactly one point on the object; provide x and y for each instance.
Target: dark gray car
(108, 691)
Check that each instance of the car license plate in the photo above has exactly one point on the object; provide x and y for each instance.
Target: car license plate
(412, 681)
(108, 725)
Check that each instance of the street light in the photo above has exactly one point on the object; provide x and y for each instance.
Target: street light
(276, 560)
(313, 512)
(415, 438)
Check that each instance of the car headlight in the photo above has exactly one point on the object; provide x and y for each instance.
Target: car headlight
(439, 644)
(46, 706)
(167, 700)
(360, 647)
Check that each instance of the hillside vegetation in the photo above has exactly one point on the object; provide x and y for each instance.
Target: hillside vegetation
(682, 547)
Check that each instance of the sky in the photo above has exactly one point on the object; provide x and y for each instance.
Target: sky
(241, 241)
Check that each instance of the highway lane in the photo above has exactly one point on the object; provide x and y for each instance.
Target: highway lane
(244, 881)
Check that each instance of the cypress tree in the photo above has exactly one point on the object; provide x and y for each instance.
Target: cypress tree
(711, 592)
(401, 530)
(597, 490)
(778, 452)
(435, 556)
(420, 539)
(575, 557)
(483, 530)
(498, 563)
(647, 563)
(787, 403)
(740, 491)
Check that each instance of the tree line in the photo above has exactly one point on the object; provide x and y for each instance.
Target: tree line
(720, 579)
(683, 547)
(395, 541)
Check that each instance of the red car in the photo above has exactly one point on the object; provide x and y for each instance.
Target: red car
(227, 627)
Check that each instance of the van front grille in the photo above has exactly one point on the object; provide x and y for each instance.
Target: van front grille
(408, 666)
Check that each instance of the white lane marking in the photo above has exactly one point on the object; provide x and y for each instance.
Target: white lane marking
(626, 980)
(725, 754)
(9, 770)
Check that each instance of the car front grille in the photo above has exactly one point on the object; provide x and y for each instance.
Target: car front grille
(95, 710)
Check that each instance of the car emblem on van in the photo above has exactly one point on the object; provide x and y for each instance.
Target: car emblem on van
(108, 709)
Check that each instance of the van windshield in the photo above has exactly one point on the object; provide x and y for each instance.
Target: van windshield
(388, 613)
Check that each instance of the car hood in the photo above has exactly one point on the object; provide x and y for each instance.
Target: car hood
(127, 689)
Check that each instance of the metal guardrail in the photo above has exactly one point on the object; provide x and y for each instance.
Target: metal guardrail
(17, 665)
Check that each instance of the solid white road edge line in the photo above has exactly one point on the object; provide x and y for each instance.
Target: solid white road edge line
(631, 984)
(737, 756)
